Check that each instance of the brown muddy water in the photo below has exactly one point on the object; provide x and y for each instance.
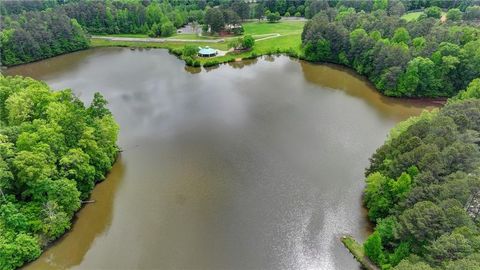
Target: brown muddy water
(253, 165)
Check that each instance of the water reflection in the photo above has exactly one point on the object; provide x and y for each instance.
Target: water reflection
(269, 58)
(336, 78)
(243, 63)
(92, 221)
(192, 70)
(259, 167)
(212, 68)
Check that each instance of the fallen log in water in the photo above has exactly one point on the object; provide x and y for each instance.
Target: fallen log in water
(90, 201)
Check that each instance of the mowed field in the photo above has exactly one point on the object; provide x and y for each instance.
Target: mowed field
(412, 15)
(280, 37)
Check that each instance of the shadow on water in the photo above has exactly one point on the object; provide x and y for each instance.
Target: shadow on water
(243, 63)
(192, 70)
(53, 67)
(90, 222)
(335, 77)
(240, 168)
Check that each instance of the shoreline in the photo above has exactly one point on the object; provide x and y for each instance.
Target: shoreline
(175, 48)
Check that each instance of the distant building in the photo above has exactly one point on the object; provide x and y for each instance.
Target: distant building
(206, 52)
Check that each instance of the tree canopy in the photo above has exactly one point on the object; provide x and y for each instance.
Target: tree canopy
(422, 188)
(420, 58)
(53, 150)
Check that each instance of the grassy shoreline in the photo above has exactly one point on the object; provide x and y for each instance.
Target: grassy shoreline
(358, 253)
(272, 38)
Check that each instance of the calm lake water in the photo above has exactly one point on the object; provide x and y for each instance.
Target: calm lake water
(252, 165)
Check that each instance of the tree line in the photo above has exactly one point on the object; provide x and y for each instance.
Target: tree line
(420, 58)
(36, 35)
(423, 190)
(53, 149)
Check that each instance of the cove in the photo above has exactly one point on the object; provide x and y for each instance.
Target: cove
(251, 165)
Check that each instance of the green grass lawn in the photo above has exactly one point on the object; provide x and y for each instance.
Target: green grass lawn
(281, 43)
(289, 41)
(165, 45)
(358, 252)
(412, 16)
(282, 27)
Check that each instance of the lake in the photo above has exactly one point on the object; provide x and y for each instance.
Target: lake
(250, 165)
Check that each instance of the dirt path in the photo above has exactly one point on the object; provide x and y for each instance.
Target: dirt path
(158, 40)
(274, 35)
(161, 40)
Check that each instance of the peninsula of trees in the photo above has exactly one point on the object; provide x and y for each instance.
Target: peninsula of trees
(423, 190)
(53, 150)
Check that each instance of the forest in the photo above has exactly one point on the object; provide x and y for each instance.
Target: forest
(423, 187)
(35, 29)
(420, 58)
(53, 149)
(35, 35)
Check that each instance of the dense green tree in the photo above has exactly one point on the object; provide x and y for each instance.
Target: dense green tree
(168, 29)
(214, 19)
(433, 12)
(241, 8)
(52, 151)
(422, 217)
(36, 35)
(454, 14)
(396, 8)
(273, 17)
(448, 247)
(386, 49)
(15, 250)
(419, 78)
(401, 36)
(472, 13)
(373, 248)
(472, 91)
(190, 50)
(258, 11)
(406, 265)
(248, 42)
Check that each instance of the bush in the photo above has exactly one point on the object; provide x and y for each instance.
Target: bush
(248, 42)
(472, 13)
(211, 63)
(235, 43)
(298, 14)
(287, 14)
(237, 31)
(433, 12)
(155, 30)
(273, 17)
(190, 50)
(168, 29)
(454, 14)
(175, 51)
(188, 61)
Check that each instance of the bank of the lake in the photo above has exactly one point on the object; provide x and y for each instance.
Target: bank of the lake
(254, 164)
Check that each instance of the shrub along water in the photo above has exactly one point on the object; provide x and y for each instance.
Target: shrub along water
(53, 150)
